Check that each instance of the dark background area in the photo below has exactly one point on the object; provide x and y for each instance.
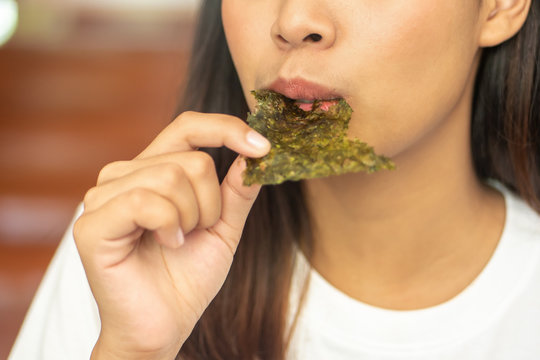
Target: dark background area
(80, 87)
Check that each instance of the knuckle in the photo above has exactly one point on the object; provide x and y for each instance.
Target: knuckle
(237, 193)
(183, 117)
(77, 228)
(187, 114)
(137, 197)
(233, 122)
(109, 171)
(84, 237)
(171, 175)
(90, 197)
(203, 164)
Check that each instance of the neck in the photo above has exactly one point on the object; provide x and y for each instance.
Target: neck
(412, 237)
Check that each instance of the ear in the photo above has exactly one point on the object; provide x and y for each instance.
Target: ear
(502, 20)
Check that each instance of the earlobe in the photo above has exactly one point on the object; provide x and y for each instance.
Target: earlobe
(503, 19)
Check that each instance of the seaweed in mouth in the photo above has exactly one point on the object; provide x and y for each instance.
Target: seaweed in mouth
(306, 144)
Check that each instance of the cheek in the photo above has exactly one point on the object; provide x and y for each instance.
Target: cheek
(247, 34)
(415, 63)
(235, 29)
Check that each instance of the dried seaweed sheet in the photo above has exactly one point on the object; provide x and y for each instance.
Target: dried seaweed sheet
(306, 144)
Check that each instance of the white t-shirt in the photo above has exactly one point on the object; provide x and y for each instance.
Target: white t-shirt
(496, 317)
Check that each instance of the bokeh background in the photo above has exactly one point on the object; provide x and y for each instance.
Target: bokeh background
(82, 83)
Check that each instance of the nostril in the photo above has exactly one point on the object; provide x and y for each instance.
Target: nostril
(313, 37)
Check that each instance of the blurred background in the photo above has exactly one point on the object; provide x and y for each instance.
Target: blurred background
(82, 83)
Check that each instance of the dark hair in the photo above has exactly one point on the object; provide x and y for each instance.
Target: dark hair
(506, 112)
(247, 319)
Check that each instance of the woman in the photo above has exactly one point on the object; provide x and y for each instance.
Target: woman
(429, 261)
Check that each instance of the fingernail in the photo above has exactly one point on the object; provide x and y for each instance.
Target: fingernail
(180, 237)
(257, 140)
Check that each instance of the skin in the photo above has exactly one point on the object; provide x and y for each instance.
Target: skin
(158, 235)
(159, 232)
(417, 236)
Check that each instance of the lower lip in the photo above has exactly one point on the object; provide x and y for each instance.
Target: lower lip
(324, 105)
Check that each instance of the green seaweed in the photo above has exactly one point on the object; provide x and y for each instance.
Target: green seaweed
(306, 144)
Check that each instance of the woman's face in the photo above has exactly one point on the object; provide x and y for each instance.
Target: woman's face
(403, 66)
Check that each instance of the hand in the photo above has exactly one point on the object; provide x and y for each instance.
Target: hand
(158, 234)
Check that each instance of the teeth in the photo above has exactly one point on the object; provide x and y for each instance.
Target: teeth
(304, 101)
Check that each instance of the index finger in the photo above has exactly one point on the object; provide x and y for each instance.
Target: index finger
(192, 130)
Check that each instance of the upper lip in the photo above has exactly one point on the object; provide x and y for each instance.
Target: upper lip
(300, 89)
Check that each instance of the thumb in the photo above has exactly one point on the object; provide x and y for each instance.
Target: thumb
(236, 200)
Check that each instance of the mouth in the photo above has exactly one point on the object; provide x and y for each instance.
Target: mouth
(306, 93)
(323, 104)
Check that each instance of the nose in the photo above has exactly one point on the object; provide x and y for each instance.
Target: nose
(301, 23)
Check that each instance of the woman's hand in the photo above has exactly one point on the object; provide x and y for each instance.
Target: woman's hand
(158, 234)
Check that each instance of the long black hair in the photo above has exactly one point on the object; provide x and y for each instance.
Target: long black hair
(506, 112)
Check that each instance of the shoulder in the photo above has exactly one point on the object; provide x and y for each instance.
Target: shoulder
(522, 221)
(63, 320)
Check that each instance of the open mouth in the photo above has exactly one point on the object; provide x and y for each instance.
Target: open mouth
(306, 145)
(307, 105)
(306, 95)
